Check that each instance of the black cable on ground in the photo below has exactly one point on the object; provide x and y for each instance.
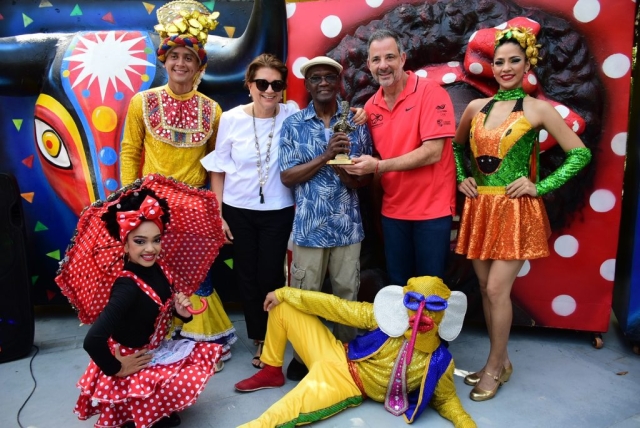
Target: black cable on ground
(34, 386)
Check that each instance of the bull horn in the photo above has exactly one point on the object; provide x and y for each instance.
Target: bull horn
(25, 61)
(266, 32)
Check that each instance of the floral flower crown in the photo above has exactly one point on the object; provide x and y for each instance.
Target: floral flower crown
(525, 38)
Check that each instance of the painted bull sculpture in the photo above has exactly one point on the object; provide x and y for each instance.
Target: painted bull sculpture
(84, 81)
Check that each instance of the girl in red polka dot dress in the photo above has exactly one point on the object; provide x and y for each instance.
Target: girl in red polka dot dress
(135, 378)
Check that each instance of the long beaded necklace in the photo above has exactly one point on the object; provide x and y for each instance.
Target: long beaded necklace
(263, 180)
(510, 94)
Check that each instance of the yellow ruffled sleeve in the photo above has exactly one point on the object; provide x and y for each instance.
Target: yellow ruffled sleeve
(211, 144)
(329, 307)
(132, 142)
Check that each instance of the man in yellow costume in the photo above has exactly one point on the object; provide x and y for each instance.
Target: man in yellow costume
(170, 128)
(400, 361)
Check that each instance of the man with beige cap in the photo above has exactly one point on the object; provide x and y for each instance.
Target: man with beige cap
(327, 227)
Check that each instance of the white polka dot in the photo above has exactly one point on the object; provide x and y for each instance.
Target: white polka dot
(524, 270)
(453, 63)
(501, 26)
(296, 66)
(532, 79)
(566, 246)
(602, 201)
(293, 103)
(608, 269)
(449, 78)
(291, 9)
(563, 305)
(616, 65)
(421, 73)
(374, 3)
(543, 135)
(564, 111)
(473, 35)
(575, 126)
(586, 10)
(331, 26)
(619, 144)
(475, 68)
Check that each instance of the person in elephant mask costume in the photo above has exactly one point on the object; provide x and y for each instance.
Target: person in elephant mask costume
(400, 361)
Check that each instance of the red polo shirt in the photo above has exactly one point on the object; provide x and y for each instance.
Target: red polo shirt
(422, 112)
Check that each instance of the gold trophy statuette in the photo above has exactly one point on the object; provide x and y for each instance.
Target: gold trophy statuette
(342, 125)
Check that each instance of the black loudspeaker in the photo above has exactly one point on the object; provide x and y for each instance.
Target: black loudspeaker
(16, 312)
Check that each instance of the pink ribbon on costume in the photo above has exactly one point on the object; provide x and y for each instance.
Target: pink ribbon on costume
(397, 397)
(476, 71)
(150, 210)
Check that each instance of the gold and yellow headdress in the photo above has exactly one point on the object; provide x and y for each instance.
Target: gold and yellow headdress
(186, 17)
(524, 37)
(185, 23)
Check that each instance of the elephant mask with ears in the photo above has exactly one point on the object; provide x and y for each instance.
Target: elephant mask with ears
(84, 82)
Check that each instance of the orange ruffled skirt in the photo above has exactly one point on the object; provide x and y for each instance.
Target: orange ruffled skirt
(497, 227)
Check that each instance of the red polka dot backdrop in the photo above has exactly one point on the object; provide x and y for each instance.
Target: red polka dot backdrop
(572, 288)
(190, 244)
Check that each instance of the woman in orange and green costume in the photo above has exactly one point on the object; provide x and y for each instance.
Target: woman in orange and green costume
(504, 221)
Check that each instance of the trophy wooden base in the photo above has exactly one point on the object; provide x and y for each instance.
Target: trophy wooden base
(338, 161)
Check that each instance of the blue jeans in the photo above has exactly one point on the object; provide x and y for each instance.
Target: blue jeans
(416, 247)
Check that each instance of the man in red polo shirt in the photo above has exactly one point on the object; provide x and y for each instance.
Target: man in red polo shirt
(412, 122)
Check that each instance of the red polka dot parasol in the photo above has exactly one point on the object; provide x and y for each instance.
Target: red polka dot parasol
(190, 244)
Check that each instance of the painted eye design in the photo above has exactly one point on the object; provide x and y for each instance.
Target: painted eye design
(51, 145)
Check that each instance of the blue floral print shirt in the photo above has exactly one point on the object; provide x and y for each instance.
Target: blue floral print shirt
(327, 212)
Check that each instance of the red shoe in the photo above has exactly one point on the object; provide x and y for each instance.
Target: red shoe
(268, 377)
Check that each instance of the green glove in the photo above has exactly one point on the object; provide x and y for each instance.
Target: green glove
(576, 159)
(458, 154)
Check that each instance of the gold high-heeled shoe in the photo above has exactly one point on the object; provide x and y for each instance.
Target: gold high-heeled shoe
(472, 379)
(507, 373)
(479, 394)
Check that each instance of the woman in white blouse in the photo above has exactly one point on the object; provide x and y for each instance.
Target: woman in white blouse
(257, 209)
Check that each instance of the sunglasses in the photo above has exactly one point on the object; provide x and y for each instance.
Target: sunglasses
(329, 78)
(263, 85)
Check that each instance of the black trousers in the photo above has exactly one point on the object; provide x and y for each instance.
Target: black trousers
(259, 252)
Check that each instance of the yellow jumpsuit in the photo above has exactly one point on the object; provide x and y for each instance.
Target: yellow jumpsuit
(329, 387)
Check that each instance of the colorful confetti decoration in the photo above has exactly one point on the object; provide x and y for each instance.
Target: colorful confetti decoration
(28, 196)
(17, 123)
(109, 18)
(34, 278)
(209, 4)
(26, 20)
(230, 31)
(149, 7)
(45, 3)
(76, 11)
(54, 254)
(40, 227)
(51, 294)
(28, 161)
(229, 262)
